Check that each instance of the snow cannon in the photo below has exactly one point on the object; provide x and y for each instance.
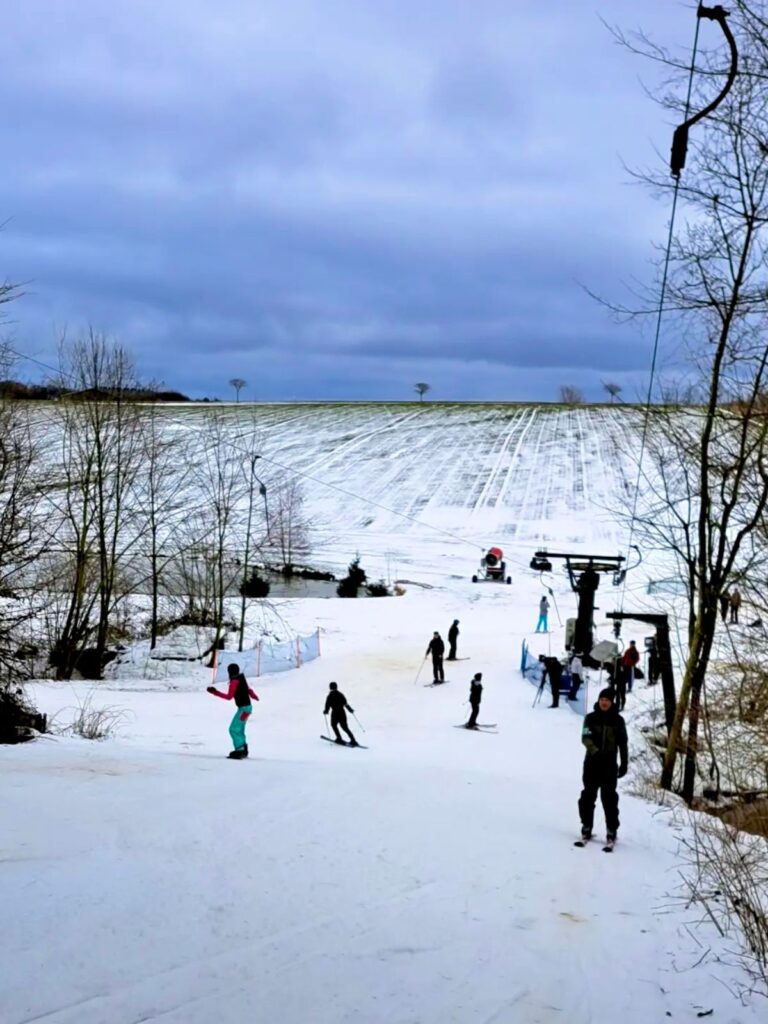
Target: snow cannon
(492, 567)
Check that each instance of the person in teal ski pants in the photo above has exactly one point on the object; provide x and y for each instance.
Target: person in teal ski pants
(240, 692)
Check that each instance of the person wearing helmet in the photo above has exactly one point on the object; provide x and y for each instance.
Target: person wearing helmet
(453, 636)
(336, 703)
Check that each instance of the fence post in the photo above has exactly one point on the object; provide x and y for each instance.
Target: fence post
(298, 654)
(317, 633)
(258, 659)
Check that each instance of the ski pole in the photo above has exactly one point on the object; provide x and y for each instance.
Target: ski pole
(421, 666)
(357, 720)
(325, 719)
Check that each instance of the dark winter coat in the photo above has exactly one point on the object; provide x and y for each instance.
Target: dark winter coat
(475, 694)
(336, 702)
(604, 734)
(453, 634)
(436, 647)
(243, 692)
(553, 670)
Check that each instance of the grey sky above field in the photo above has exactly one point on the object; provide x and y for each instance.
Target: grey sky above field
(334, 200)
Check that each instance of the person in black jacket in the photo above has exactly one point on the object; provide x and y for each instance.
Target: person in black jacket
(475, 696)
(336, 703)
(604, 734)
(453, 636)
(437, 649)
(552, 670)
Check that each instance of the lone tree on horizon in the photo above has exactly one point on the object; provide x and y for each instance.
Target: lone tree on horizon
(421, 389)
(570, 395)
(238, 384)
(613, 389)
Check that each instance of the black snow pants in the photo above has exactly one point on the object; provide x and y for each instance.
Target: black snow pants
(473, 717)
(451, 650)
(438, 673)
(339, 718)
(599, 774)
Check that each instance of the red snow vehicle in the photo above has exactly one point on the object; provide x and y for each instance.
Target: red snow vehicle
(492, 567)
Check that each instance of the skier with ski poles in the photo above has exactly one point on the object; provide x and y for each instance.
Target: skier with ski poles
(337, 704)
(604, 734)
(475, 697)
(242, 694)
(437, 649)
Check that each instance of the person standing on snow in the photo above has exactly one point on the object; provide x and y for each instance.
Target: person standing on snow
(604, 734)
(725, 601)
(240, 692)
(735, 602)
(437, 649)
(552, 670)
(453, 636)
(336, 703)
(541, 625)
(629, 662)
(475, 697)
(577, 669)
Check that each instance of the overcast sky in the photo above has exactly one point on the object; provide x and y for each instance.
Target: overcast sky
(336, 199)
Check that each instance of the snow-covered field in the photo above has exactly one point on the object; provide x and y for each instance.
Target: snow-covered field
(429, 879)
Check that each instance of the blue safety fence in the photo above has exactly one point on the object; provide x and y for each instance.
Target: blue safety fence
(266, 659)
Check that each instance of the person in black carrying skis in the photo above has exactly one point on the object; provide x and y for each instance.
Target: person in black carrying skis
(604, 734)
(453, 636)
(240, 692)
(336, 703)
(475, 697)
(437, 649)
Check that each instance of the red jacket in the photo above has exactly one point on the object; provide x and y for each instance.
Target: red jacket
(630, 657)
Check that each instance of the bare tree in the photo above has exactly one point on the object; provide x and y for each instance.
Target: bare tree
(718, 290)
(570, 395)
(421, 389)
(238, 384)
(101, 457)
(613, 389)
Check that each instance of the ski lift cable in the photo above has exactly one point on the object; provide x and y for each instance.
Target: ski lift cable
(679, 149)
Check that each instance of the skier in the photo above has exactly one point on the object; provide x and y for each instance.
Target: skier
(725, 601)
(242, 694)
(553, 670)
(437, 648)
(475, 696)
(576, 667)
(336, 703)
(541, 625)
(453, 636)
(735, 601)
(629, 661)
(604, 734)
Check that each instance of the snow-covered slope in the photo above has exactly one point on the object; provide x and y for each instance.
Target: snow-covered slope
(430, 879)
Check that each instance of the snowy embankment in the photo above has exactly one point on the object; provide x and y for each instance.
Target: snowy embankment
(429, 879)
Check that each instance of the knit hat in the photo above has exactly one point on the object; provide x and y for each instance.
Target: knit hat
(608, 693)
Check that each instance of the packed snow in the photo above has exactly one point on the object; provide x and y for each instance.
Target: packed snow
(428, 879)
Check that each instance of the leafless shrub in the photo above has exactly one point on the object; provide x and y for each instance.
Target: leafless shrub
(726, 874)
(95, 723)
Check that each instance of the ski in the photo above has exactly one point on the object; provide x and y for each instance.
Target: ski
(443, 683)
(344, 743)
(477, 728)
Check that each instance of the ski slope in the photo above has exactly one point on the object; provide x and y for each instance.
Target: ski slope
(430, 879)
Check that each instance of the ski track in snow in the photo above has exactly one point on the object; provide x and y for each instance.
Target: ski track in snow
(426, 880)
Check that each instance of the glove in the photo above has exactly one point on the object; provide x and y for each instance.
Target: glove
(351, 711)
(211, 689)
(622, 771)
